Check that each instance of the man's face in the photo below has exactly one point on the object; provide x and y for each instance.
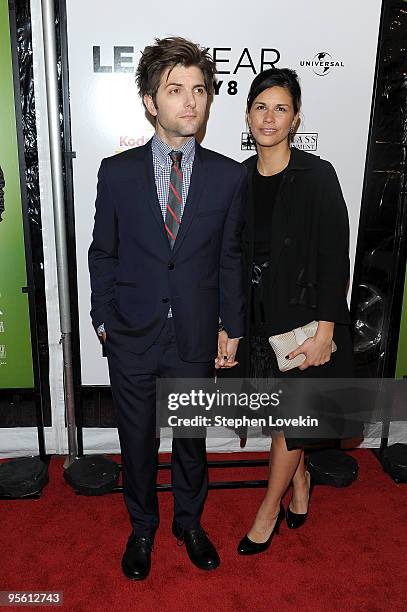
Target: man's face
(180, 104)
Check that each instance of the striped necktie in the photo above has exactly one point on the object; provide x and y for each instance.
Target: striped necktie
(173, 213)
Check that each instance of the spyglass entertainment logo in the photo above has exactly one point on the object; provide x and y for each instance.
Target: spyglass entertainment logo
(247, 143)
(306, 141)
(322, 63)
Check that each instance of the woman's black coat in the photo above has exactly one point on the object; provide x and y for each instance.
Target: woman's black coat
(309, 245)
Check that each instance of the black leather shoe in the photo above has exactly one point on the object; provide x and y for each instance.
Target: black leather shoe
(200, 549)
(136, 561)
(294, 519)
(248, 547)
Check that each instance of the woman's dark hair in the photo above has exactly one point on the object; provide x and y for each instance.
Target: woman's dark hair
(168, 53)
(276, 77)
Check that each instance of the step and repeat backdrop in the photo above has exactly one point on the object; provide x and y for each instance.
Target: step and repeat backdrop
(331, 45)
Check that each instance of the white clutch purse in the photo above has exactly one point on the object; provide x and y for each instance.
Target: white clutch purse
(283, 344)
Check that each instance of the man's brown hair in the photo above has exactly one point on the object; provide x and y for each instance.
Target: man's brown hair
(168, 53)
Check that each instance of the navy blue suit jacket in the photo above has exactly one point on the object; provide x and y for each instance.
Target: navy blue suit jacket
(135, 276)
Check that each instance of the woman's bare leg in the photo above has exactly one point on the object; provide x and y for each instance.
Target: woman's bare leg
(283, 466)
(301, 484)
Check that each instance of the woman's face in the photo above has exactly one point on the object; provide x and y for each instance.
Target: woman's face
(271, 117)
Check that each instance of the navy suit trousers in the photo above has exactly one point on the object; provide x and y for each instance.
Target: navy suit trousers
(133, 381)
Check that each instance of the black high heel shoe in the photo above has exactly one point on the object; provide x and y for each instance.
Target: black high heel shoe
(294, 519)
(248, 547)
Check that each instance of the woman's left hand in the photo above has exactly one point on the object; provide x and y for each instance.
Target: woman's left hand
(317, 350)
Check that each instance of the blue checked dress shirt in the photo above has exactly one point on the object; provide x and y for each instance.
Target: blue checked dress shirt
(162, 169)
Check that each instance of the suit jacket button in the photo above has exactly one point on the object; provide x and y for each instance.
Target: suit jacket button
(171, 266)
(287, 242)
(165, 300)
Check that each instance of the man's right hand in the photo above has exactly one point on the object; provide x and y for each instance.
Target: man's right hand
(101, 332)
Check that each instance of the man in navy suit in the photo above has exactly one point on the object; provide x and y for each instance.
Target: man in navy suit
(165, 268)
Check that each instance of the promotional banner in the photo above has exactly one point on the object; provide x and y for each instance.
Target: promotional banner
(15, 337)
(332, 46)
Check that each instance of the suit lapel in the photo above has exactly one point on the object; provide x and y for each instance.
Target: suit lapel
(148, 184)
(195, 193)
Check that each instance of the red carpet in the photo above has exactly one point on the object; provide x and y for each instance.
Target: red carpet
(350, 555)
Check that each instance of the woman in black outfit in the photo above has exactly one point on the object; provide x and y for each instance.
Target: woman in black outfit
(295, 240)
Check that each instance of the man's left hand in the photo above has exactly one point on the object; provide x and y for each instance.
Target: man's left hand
(227, 348)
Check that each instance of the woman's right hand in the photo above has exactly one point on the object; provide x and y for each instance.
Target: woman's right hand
(317, 350)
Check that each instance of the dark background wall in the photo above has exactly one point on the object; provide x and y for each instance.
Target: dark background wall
(380, 263)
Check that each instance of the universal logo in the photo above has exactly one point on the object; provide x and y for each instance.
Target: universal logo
(322, 63)
(306, 141)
